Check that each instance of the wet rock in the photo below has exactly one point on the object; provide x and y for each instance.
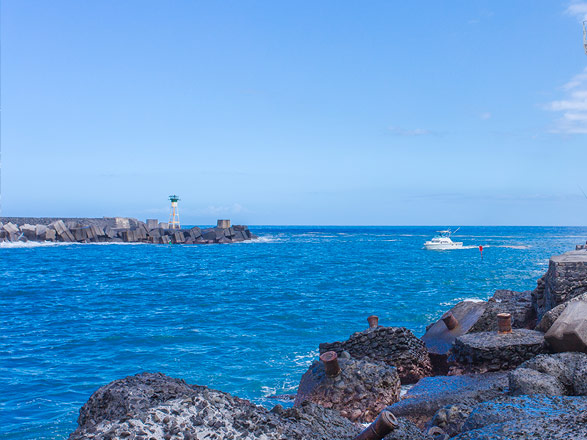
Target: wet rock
(359, 392)
(450, 419)
(429, 395)
(527, 417)
(565, 279)
(158, 407)
(555, 375)
(406, 431)
(490, 351)
(396, 346)
(518, 304)
(569, 331)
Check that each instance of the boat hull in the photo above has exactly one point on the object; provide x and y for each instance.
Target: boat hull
(443, 246)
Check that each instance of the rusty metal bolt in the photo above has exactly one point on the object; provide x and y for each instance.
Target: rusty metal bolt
(330, 360)
(383, 425)
(504, 323)
(450, 321)
(373, 321)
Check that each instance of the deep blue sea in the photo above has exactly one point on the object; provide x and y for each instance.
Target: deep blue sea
(244, 318)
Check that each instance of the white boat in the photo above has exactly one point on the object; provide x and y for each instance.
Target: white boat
(443, 242)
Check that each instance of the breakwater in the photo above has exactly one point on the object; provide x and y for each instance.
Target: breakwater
(116, 230)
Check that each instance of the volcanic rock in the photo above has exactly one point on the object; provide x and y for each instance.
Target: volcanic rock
(565, 279)
(517, 304)
(527, 417)
(556, 375)
(490, 351)
(154, 406)
(429, 395)
(396, 346)
(359, 392)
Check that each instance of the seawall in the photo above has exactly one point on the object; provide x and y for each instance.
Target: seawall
(115, 229)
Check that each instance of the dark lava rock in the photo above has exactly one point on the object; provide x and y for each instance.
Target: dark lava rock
(565, 279)
(359, 392)
(490, 351)
(527, 417)
(396, 346)
(518, 304)
(557, 375)
(433, 393)
(154, 406)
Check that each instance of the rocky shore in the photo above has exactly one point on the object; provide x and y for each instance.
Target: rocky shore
(115, 230)
(513, 367)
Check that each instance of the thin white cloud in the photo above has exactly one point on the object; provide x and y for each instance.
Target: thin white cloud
(573, 107)
(398, 131)
(235, 208)
(485, 115)
(577, 9)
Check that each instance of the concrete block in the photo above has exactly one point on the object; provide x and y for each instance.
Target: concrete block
(109, 232)
(122, 222)
(59, 226)
(178, 237)
(49, 235)
(209, 234)
(40, 230)
(223, 224)
(29, 231)
(195, 232)
(11, 228)
(569, 331)
(152, 223)
(155, 233)
(238, 236)
(164, 225)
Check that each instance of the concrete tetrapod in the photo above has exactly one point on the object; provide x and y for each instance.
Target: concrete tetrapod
(569, 331)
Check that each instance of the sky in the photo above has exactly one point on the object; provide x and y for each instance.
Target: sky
(445, 113)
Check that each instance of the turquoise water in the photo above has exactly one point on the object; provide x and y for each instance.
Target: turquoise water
(245, 318)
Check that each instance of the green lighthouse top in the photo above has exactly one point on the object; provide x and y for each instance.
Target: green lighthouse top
(174, 198)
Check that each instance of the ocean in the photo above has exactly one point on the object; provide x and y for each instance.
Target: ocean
(244, 318)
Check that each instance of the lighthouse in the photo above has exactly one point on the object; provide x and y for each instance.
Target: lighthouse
(174, 214)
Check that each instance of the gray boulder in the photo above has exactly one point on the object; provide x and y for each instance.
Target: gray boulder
(155, 406)
(395, 346)
(569, 331)
(556, 375)
(518, 304)
(359, 392)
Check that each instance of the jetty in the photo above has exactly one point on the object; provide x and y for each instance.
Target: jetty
(116, 230)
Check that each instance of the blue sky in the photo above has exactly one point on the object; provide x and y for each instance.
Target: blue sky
(331, 112)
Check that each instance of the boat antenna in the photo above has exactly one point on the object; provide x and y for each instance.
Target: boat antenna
(460, 228)
(582, 190)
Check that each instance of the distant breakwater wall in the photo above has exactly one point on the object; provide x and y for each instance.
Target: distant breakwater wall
(115, 230)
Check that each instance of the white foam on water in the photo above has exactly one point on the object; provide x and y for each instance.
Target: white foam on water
(30, 244)
(35, 244)
(263, 239)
